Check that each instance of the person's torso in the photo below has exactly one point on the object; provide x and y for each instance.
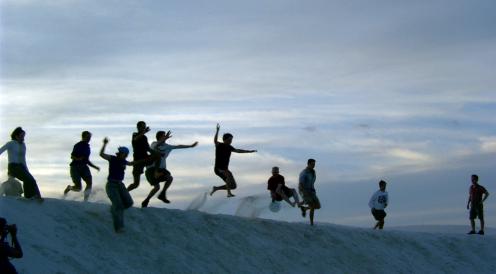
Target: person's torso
(307, 179)
(17, 152)
(274, 181)
(223, 155)
(476, 192)
(116, 168)
(81, 149)
(164, 149)
(381, 199)
(140, 147)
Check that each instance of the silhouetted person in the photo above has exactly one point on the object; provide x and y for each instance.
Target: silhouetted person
(279, 191)
(157, 172)
(222, 156)
(116, 191)
(307, 190)
(80, 164)
(17, 168)
(475, 204)
(140, 153)
(7, 251)
(11, 187)
(377, 203)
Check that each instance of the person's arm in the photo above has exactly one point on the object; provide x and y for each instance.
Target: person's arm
(468, 202)
(93, 166)
(186, 146)
(5, 147)
(16, 250)
(216, 142)
(102, 151)
(486, 194)
(237, 150)
(371, 201)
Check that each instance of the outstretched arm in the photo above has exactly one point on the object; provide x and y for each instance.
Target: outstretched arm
(102, 151)
(187, 146)
(237, 150)
(216, 135)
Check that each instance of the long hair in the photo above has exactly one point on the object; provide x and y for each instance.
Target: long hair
(16, 132)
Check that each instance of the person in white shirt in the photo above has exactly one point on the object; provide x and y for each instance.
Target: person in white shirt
(378, 202)
(157, 171)
(17, 167)
(11, 187)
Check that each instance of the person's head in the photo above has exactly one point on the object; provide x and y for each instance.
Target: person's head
(475, 179)
(161, 136)
(311, 163)
(141, 125)
(382, 185)
(18, 134)
(227, 138)
(275, 170)
(86, 136)
(122, 152)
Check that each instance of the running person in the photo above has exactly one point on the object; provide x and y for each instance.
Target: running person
(222, 156)
(79, 166)
(157, 172)
(307, 190)
(475, 204)
(17, 167)
(279, 191)
(377, 203)
(140, 152)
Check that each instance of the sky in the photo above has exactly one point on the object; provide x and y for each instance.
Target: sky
(394, 90)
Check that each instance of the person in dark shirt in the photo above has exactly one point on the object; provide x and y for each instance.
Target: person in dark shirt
(7, 251)
(475, 204)
(116, 191)
(222, 156)
(79, 166)
(279, 191)
(140, 152)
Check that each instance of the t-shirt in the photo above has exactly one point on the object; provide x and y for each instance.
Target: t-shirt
(222, 155)
(164, 149)
(116, 169)
(81, 149)
(16, 151)
(5, 266)
(476, 192)
(307, 180)
(140, 147)
(274, 181)
(379, 200)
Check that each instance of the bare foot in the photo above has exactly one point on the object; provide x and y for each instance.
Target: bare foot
(213, 190)
(230, 195)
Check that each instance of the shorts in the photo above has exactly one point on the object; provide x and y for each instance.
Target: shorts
(287, 191)
(378, 214)
(139, 168)
(223, 174)
(150, 176)
(79, 172)
(310, 198)
(477, 211)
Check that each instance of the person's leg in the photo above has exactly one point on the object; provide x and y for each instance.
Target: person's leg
(154, 190)
(282, 193)
(163, 196)
(230, 183)
(223, 176)
(472, 224)
(117, 207)
(127, 200)
(76, 180)
(29, 183)
(88, 179)
(312, 210)
(296, 197)
(137, 171)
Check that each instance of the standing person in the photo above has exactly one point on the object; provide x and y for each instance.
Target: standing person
(475, 204)
(17, 164)
(116, 191)
(307, 190)
(157, 172)
(378, 202)
(140, 152)
(7, 251)
(79, 166)
(279, 191)
(222, 155)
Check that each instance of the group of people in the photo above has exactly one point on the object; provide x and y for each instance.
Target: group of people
(151, 160)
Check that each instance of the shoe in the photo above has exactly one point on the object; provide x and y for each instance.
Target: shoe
(144, 203)
(67, 189)
(163, 199)
(481, 232)
(230, 195)
(303, 212)
(471, 232)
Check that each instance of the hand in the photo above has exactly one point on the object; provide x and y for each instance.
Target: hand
(254, 150)
(147, 129)
(468, 206)
(168, 135)
(218, 126)
(12, 229)
(194, 144)
(97, 168)
(105, 140)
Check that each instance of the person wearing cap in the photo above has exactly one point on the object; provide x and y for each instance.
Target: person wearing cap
(80, 164)
(279, 191)
(116, 191)
(377, 203)
(17, 167)
(7, 251)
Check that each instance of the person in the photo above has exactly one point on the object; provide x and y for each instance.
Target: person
(141, 148)
(222, 156)
(307, 190)
(157, 172)
(79, 167)
(11, 187)
(279, 191)
(116, 191)
(7, 251)
(377, 203)
(17, 167)
(477, 195)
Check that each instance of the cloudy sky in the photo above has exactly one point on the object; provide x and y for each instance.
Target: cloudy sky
(396, 90)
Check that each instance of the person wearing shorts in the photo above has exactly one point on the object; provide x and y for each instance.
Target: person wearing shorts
(278, 189)
(477, 195)
(140, 153)
(307, 190)
(377, 203)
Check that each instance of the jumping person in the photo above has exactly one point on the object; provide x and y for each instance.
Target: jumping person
(17, 167)
(157, 172)
(279, 191)
(377, 203)
(79, 166)
(140, 152)
(307, 190)
(116, 191)
(222, 156)
(475, 204)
